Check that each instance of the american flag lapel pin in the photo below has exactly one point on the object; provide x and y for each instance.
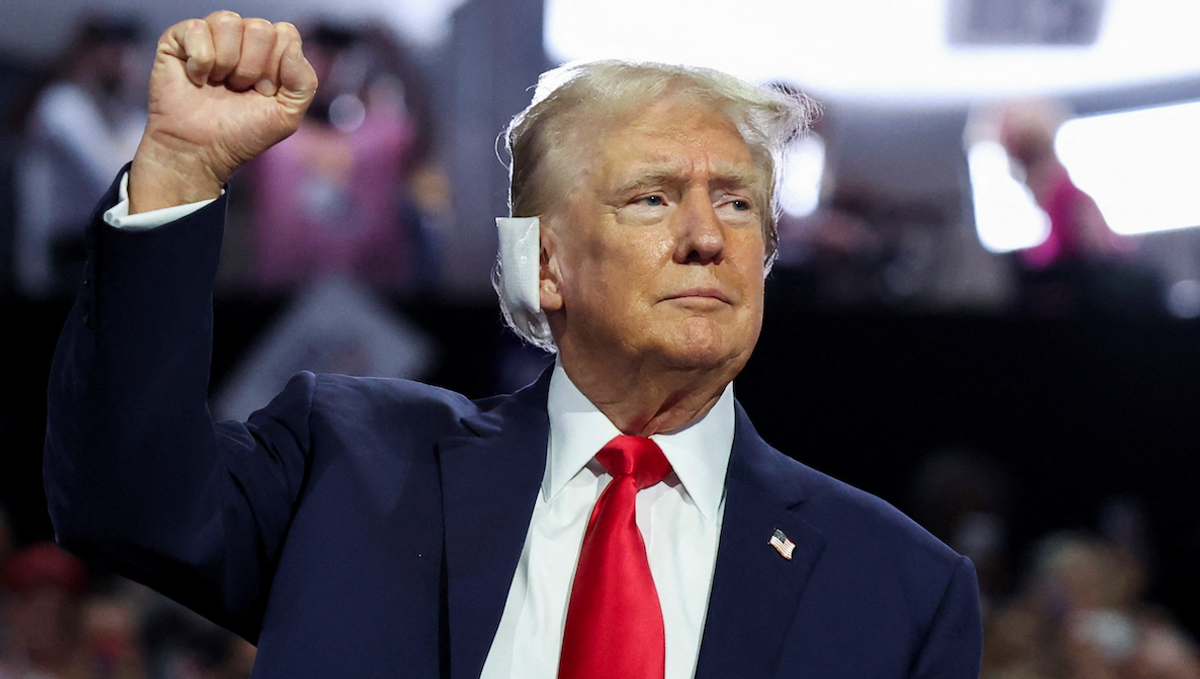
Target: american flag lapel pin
(782, 544)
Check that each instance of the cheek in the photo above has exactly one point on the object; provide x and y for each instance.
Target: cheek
(747, 254)
(588, 277)
(623, 262)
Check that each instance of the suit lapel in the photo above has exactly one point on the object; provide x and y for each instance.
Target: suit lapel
(755, 590)
(490, 480)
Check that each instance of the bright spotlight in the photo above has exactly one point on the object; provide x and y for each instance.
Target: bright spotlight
(1007, 217)
(1141, 167)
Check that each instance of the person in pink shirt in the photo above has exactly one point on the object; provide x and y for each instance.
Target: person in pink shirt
(1077, 227)
(332, 199)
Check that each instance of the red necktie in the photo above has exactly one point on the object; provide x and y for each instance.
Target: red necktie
(614, 622)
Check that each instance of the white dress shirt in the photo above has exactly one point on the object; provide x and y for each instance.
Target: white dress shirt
(680, 518)
(118, 215)
(680, 521)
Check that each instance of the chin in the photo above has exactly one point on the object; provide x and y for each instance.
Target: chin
(699, 364)
(698, 346)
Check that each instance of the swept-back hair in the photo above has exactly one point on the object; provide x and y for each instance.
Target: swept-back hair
(569, 97)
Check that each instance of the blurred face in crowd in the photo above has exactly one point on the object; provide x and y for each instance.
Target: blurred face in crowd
(111, 630)
(111, 67)
(656, 251)
(1026, 139)
(44, 621)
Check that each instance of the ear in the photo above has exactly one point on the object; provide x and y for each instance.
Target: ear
(550, 270)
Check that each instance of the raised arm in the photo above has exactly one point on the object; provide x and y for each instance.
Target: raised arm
(137, 475)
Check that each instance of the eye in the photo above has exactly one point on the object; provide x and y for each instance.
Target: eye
(736, 204)
(654, 201)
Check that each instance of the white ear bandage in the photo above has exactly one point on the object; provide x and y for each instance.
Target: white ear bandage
(520, 260)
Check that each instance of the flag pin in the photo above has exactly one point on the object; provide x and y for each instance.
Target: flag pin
(782, 544)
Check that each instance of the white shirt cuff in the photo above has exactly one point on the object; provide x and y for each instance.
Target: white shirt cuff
(118, 215)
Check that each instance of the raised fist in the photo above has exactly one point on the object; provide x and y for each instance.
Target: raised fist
(223, 90)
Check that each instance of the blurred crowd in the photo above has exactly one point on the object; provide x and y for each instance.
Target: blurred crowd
(352, 193)
(1076, 607)
(1079, 613)
(60, 621)
(79, 122)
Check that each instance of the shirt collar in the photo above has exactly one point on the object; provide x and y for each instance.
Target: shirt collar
(699, 454)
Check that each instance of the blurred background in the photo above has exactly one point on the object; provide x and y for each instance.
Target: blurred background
(985, 307)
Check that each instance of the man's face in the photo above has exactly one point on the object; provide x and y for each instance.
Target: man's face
(656, 254)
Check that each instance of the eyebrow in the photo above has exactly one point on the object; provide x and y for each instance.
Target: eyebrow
(738, 178)
(658, 175)
(652, 176)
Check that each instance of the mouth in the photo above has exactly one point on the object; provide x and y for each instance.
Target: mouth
(700, 295)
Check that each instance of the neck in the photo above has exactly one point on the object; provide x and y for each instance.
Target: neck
(644, 400)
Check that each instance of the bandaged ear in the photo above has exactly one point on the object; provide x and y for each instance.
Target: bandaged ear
(520, 261)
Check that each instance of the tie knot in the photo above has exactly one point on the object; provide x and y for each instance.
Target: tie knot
(636, 456)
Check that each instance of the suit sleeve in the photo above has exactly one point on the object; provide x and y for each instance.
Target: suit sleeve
(138, 477)
(953, 645)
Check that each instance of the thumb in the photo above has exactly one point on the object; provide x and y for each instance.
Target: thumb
(297, 79)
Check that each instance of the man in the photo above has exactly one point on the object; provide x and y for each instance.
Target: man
(619, 517)
(76, 131)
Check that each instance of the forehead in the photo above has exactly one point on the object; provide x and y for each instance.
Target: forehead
(672, 135)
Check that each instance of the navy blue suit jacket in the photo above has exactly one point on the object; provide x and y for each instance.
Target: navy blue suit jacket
(370, 527)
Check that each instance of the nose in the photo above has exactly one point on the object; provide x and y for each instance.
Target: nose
(701, 235)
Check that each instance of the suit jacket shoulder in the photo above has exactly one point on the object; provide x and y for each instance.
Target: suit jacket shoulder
(859, 575)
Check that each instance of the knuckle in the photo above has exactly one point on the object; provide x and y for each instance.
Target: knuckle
(197, 40)
(225, 16)
(195, 27)
(286, 29)
(227, 23)
(257, 27)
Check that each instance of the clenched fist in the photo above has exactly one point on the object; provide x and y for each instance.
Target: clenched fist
(223, 90)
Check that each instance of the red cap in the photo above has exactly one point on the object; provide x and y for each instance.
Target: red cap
(44, 563)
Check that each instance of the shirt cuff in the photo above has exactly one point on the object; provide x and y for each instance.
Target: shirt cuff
(118, 215)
